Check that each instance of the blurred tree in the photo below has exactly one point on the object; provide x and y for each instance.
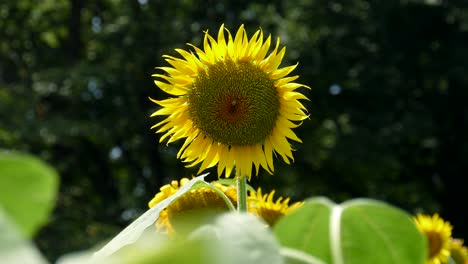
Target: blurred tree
(388, 117)
(387, 113)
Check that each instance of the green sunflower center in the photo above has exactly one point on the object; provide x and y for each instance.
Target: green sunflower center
(234, 103)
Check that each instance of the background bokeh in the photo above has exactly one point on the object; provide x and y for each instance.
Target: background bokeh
(388, 112)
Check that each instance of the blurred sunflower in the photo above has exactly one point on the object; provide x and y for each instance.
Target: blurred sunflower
(458, 252)
(438, 233)
(265, 207)
(233, 105)
(262, 205)
(196, 199)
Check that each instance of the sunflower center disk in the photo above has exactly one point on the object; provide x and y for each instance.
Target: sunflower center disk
(234, 103)
(196, 200)
(435, 244)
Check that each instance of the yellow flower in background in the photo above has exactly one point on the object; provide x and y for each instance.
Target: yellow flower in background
(458, 252)
(438, 233)
(196, 199)
(233, 105)
(264, 206)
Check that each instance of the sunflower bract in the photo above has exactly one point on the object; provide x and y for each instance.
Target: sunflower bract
(232, 104)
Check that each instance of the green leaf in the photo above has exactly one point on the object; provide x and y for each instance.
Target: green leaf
(304, 228)
(243, 238)
(50, 38)
(151, 248)
(357, 231)
(232, 238)
(294, 256)
(132, 232)
(28, 190)
(14, 248)
(452, 261)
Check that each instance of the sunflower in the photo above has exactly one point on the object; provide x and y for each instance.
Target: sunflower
(458, 252)
(196, 199)
(438, 233)
(231, 103)
(263, 206)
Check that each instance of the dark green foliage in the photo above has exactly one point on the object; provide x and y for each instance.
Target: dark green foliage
(388, 114)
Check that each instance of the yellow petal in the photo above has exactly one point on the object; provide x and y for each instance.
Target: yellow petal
(283, 129)
(268, 149)
(212, 157)
(263, 50)
(285, 80)
(229, 163)
(275, 61)
(222, 158)
(171, 89)
(280, 73)
(281, 146)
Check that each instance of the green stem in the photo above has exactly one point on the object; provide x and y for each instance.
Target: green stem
(241, 193)
(220, 193)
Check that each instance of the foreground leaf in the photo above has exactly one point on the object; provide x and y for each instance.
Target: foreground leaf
(358, 231)
(243, 238)
(28, 190)
(231, 238)
(14, 248)
(132, 232)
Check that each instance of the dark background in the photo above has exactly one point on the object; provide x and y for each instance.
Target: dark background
(388, 102)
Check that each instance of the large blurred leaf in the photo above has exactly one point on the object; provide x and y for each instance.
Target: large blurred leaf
(28, 189)
(132, 232)
(151, 247)
(243, 238)
(14, 248)
(304, 229)
(358, 231)
(232, 238)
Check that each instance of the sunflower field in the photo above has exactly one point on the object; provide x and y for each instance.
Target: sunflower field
(309, 131)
